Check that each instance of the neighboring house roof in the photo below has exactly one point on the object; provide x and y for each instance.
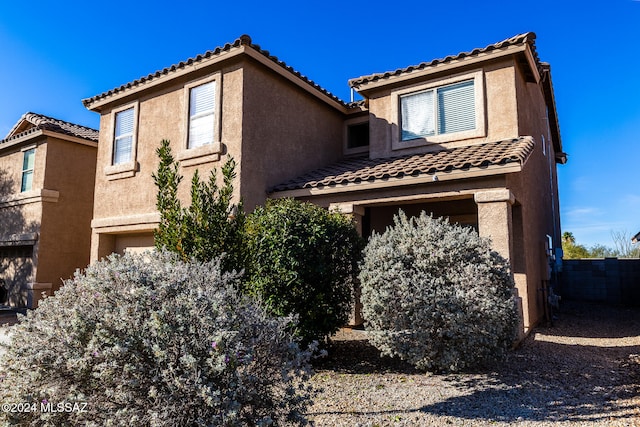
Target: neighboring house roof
(636, 238)
(520, 39)
(243, 41)
(32, 123)
(363, 170)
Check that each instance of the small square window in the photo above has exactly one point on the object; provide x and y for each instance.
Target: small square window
(358, 135)
(28, 164)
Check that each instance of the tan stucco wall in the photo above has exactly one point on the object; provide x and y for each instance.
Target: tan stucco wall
(65, 233)
(273, 129)
(286, 133)
(58, 210)
(20, 217)
(133, 243)
(162, 114)
(500, 108)
(536, 194)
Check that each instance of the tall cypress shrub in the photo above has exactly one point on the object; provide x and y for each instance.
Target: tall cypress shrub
(210, 226)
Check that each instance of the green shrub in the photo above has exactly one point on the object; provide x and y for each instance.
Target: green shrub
(436, 295)
(210, 226)
(150, 340)
(303, 261)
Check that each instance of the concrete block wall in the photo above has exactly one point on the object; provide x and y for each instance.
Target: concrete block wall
(608, 280)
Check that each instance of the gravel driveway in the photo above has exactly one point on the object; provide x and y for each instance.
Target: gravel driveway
(583, 371)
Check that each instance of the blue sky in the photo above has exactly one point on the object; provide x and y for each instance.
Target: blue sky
(53, 54)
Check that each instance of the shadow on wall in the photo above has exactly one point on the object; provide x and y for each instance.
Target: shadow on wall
(17, 245)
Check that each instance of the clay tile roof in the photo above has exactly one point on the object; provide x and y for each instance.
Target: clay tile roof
(363, 170)
(42, 122)
(513, 41)
(243, 40)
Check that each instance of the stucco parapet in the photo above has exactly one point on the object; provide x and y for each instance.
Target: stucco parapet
(148, 220)
(492, 196)
(34, 196)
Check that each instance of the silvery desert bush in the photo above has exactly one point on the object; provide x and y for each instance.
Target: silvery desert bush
(150, 340)
(436, 295)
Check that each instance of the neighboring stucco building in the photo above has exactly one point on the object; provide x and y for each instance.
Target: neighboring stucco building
(473, 137)
(47, 172)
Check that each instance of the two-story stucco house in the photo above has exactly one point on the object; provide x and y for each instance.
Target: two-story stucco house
(47, 172)
(473, 137)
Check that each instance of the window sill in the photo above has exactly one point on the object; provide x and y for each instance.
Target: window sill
(438, 139)
(123, 170)
(355, 151)
(197, 156)
(32, 196)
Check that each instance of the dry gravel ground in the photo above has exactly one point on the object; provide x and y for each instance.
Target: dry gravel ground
(583, 371)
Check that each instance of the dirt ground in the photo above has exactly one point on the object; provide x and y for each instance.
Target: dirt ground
(582, 371)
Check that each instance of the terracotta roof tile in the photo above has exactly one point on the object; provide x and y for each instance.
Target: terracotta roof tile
(42, 122)
(243, 40)
(363, 169)
(515, 40)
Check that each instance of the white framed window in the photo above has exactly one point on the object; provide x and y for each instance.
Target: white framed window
(446, 109)
(202, 130)
(28, 165)
(201, 114)
(124, 141)
(123, 136)
(439, 111)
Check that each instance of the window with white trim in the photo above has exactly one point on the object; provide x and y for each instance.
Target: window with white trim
(437, 111)
(201, 114)
(123, 136)
(28, 164)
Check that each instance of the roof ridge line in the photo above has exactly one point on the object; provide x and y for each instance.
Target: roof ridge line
(243, 40)
(528, 37)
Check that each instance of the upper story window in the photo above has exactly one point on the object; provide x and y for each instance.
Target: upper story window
(439, 111)
(123, 136)
(202, 131)
(124, 122)
(442, 110)
(201, 114)
(356, 135)
(28, 164)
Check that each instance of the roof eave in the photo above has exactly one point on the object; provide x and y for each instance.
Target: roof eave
(20, 139)
(115, 95)
(465, 61)
(554, 126)
(476, 172)
(130, 89)
(38, 133)
(295, 79)
(70, 138)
